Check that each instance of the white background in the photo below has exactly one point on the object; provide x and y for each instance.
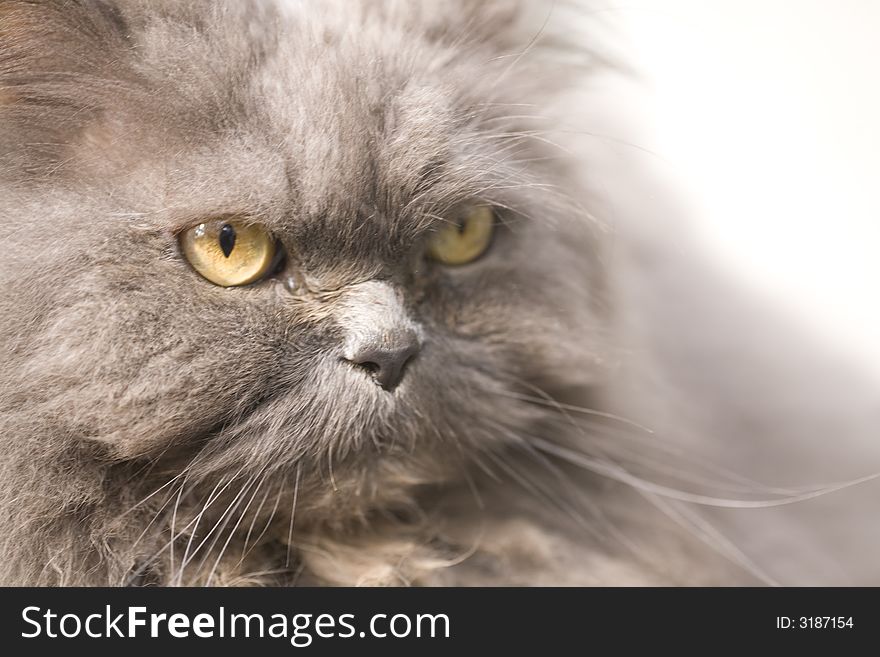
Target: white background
(766, 114)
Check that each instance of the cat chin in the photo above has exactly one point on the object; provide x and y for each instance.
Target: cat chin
(281, 522)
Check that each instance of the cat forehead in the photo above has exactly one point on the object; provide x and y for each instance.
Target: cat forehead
(332, 123)
(376, 110)
(357, 136)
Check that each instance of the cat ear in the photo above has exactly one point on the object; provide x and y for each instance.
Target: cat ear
(59, 60)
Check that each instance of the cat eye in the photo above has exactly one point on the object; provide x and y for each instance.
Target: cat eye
(466, 240)
(229, 251)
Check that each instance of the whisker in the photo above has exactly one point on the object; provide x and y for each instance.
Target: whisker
(216, 524)
(227, 514)
(570, 407)
(148, 497)
(153, 520)
(546, 399)
(617, 473)
(232, 531)
(268, 522)
(212, 497)
(292, 515)
(710, 535)
(633, 446)
(532, 486)
(174, 523)
(529, 46)
(254, 519)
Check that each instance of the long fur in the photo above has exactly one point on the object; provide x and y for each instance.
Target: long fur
(161, 430)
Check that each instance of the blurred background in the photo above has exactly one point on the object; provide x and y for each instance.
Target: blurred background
(744, 134)
(764, 117)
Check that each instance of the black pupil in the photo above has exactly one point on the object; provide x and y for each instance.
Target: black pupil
(227, 239)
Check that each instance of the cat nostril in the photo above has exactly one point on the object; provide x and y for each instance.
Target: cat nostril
(371, 368)
(386, 363)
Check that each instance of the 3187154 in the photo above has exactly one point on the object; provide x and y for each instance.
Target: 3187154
(814, 622)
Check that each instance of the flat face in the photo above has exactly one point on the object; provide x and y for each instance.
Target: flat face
(227, 223)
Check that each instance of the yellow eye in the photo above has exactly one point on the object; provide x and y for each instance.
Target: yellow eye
(229, 251)
(465, 241)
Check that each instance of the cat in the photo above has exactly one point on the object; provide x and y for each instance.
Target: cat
(297, 293)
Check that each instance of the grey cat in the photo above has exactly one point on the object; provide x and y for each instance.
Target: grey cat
(295, 293)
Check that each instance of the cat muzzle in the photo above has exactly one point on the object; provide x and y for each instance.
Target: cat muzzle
(382, 337)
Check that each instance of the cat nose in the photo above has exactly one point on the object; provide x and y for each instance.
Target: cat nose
(385, 356)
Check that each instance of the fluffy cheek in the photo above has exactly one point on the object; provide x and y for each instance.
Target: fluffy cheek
(532, 328)
(147, 370)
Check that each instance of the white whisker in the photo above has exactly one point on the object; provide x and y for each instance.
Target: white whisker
(292, 516)
(617, 473)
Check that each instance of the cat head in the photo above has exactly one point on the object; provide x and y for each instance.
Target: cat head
(323, 242)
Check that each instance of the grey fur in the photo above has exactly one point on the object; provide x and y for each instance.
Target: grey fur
(159, 429)
(349, 130)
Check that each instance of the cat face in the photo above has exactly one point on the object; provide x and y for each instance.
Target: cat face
(340, 145)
